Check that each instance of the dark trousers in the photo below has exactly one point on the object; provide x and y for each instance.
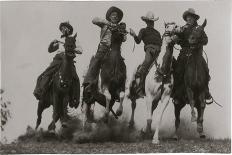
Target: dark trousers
(152, 52)
(42, 83)
(43, 80)
(95, 65)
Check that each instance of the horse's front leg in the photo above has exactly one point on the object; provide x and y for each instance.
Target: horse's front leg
(190, 96)
(200, 111)
(149, 99)
(120, 108)
(64, 111)
(164, 103)
(84, 109)
(178, 105)
(108, 99)
(133, 106)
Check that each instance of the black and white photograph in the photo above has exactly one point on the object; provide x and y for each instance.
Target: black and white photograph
(115, 77)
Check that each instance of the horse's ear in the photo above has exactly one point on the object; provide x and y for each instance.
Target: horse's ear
(165, 24)
(204, 23)
(75, 35)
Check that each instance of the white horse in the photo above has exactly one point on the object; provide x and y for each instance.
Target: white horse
(159, 81)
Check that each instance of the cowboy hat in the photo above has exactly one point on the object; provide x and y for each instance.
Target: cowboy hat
(114, 9)
(190, 12)
(66, 24)
(149, 17)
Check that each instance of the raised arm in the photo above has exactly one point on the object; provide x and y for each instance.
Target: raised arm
(100, 22)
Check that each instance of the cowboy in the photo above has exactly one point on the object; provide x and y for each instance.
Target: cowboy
(191, 23)
(113, 17)
(45, 78)
(152, 45)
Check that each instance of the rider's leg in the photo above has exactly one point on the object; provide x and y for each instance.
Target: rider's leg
(44, 78)
(142, 72)
(152, 53)
(95, 66)
(208, 96)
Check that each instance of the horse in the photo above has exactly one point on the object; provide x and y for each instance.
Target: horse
(57, 94)
(195, 82)
(158, 83)
(112, 80)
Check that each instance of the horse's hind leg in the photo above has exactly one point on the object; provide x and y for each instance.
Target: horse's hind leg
(133, 106)
(178, 105)
(200, 109)
(40, 110)
(190, 96)
(120, 108)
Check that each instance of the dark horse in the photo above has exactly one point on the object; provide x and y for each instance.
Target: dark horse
(113, 78)
(195, 82)
(60, 85)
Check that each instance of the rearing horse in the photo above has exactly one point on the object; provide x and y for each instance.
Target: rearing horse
(195, 81)
(113, 78)
(58, 93)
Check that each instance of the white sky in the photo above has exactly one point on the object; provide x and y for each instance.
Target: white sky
(27, 28)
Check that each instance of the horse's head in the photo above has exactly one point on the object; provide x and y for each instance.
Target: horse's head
(118, 33)
(170, 29)
(66, 68)
(70, 46)
(196, 35)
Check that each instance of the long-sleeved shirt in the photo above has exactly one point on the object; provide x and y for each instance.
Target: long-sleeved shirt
(149, 36)
(105, 36)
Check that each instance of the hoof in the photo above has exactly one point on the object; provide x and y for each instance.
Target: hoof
(52, 132)
(155, 141)
(193, 119)
(64, 125)
(202, 136)
(142, 134)
(119, 112)
(175, 137)
(131, 125)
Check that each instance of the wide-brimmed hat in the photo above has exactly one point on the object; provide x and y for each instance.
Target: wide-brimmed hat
(66, 24)
(149, 17)
(114, 9)
(190, 12)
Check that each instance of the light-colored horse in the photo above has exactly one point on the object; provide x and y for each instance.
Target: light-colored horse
(159, 81)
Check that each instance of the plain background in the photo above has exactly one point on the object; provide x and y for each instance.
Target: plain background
(27, 28)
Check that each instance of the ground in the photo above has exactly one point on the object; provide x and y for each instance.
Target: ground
(112, 138)
(166, 146)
